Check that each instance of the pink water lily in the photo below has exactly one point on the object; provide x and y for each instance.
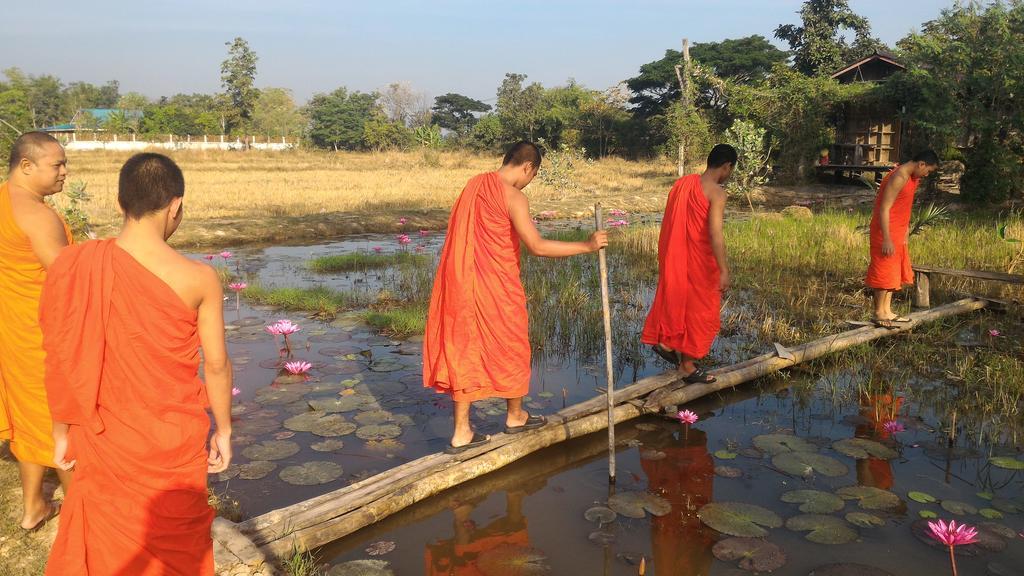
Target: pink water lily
(893, 427)
(238, 286)
(687, 416)
(423, 233)
(297, 367)
(616, 223)
(209, 257)
(404, 239)
(403, 221)
(993, 332)
(378, 249)
(616, 212)
(953, 535)
(287, 327)
(225, 254)
(235, 391)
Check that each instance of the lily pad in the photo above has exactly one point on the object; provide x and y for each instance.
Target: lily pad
(999, 529)
(602, 537)
(739, 519)
(957, 507)
(328, 445)
(229, 473)
(1007, 506)
(751, 453)
(751, 554)
(864, 520)
(256, 470)
(311, 473)
(822, 529)
(373, 417)
(870, 498)
(848, 569)
(927, 514)
(780, 443)
(806, 464)
(332, 425)
(728, 472)
(862, 448)
(1000, 569)
(814, 501)
(379, 431)
(272, 397)
(303, 422)
(725, 455)
(362, 568)
(600, 514)
(511, 560)
(922, 497)
(255, 426)
(1007, 463)
(338, 403)
(633, 504)
(380, 548)
(386, 365)
(990, 513)
(985, 495)
(388, 446)
(271, 450)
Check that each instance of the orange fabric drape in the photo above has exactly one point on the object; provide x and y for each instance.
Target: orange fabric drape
(877, 409)
(477, 343)
(122, 369)
(24, 416)
(892, 272)
(686, 308)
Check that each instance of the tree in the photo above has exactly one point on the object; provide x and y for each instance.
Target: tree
(380, 133)
(132, 101)
(602, 120)
(337, 120)
(404, 105)
(79, 95)
(457, 113)
(237, 76)
(518, 107)
(818, 45)
(276, 114)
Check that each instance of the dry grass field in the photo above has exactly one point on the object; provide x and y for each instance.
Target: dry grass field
(245, 197)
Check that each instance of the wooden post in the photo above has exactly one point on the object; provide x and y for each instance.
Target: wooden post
(922, 290)
(606, 309)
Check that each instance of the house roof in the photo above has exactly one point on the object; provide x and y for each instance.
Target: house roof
(59, 128)
(878, 55)
(103, 114)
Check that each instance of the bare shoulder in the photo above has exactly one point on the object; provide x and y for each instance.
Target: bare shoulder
(32, 214)
(715, 192)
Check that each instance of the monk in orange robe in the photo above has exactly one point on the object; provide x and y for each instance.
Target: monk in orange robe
(123, 321)
(477, 343)
(692, 270)
(877, 409)
(477, 551)
(31, 236)
(890, 266)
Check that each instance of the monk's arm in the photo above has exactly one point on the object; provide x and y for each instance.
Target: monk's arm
(216, 366)
(716, 222)
(45, 232)
(889, 194)
(519, 211)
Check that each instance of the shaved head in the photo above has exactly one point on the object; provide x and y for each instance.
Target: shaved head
(29, 146)
(522, 152)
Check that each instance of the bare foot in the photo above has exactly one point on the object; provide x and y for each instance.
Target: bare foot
(33, 520)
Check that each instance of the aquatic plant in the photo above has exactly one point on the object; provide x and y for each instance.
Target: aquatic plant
(235, 391)
(209, 257)
(297, 367)
(237, 287)
(403, 221)
(893, 427)
(687, 417)
(225, 255)
(284, 328)
(403, 239)
(952, 535)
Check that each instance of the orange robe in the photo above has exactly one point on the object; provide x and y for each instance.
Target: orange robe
(877, 409)
(477, 342)
(892, 272)
(24, 416)
(686, 308)
(450, 558)
(122, 369)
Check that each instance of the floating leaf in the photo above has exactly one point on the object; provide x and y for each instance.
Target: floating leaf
(1000, 569)
(990, 513)
(600, 514)
(985, 495)
(388, 446)
(848, 569)
(511, 560)
(822, 529)
(814, 501)
(284, 435)
(274, 397)
(998, 529)
(332, 425)
(373, 417)
(805, 464)
(751, 453)
(386, 365)
(362, 568)
(255, 426)
(338, 403)
(651, 454)
(271, 450)
(728, 472)
(922, 497)
(752, 554)
(864, 520)
(739, 519)
(780, 443)
(725, 455)
(329, 445)
(379, 431)
(862, 448)
(927, 514)
(256, 470)
(870, 498)
(380, 548)
(633, 504)
(311, 473)
(602, 538)
(303, 422)
(1007, 506)
(957, 507)
(231, 471)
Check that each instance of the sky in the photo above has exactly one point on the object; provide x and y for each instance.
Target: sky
(162, 47)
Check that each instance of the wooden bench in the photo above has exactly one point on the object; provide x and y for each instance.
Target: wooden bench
(922, 277)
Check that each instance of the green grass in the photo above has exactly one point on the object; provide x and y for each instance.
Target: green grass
(401, 321)
(302, 564)
(359, 261)
(321, 301)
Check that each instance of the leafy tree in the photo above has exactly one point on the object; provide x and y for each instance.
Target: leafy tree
(487, 134)
(276, 114)
(132, 101)
(602, 120)
(456, 112)
(519, 107)
(79, 95)
(380, 133)
(818, 44)
(337, 120)
(238, 76)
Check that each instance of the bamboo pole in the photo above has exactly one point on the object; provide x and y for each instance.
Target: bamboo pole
(326, 518)
(609, 367)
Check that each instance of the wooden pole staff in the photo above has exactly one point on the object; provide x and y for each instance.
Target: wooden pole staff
(606, 309)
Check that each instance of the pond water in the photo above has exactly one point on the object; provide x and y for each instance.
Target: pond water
(363, 410)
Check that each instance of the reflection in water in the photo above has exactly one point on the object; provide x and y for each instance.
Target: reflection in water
(681, 545)
(876, 409)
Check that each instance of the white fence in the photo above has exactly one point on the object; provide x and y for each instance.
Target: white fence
(131, 143)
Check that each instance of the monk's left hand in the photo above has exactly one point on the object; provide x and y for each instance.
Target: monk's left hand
(723, 281)
(220, 453)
